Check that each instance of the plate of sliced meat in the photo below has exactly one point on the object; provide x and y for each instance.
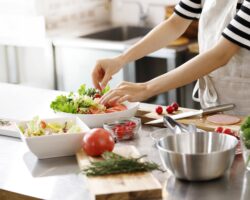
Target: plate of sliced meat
(223, 119)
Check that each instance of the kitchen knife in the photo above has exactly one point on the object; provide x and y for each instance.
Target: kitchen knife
(205, 111)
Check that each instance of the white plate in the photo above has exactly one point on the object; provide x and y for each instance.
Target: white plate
(97, 120)
(57, 145)
(9, 130)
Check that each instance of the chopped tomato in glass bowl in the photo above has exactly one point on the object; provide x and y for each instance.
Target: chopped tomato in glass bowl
(123, 128)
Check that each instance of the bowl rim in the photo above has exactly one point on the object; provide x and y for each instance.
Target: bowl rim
(136, 105)
(52, 135)
(112, 122)
(196, 154)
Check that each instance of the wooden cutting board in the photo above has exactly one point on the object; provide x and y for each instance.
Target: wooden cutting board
(136, 186)
(147, 113)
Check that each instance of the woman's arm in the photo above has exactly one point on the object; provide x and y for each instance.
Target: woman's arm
(197, 67)
(159, 37)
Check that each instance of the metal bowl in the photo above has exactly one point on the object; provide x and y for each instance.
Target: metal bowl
(197, 156)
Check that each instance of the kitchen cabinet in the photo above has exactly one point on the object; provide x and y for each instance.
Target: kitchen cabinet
(75, 64)
(3, 65)
(31, 66)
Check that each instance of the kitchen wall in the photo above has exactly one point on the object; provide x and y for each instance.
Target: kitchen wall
(33, 19)
(26, 55)
(128, 11)
(24, 25)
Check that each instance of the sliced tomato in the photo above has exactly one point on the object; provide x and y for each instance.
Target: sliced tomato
(116, 108)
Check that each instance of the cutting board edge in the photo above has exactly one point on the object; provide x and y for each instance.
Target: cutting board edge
(131, 195)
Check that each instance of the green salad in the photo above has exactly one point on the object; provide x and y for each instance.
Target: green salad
(245, 128)
(86, 101)
(245, 137)
(38, 127)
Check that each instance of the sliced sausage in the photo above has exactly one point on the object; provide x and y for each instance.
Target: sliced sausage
(223, 119)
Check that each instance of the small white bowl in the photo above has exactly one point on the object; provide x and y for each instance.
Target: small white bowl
(56, 145)
(97, 120)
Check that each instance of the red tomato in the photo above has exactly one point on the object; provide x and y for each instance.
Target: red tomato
(97, 95)
(159, 110)
(43, 124)
(125, 131)
(175, 106)
(120, 131)
(96, 141)
(219, 129)
(228, 131)
(130, 124)
(170, 109)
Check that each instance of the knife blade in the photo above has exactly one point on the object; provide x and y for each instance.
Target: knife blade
(205, 111)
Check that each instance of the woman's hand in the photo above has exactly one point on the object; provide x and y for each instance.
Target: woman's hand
(104, 70)
(127, 91)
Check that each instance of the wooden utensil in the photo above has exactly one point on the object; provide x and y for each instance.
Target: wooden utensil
(122, 186)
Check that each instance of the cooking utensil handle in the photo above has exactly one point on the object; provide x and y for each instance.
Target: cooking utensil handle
(173, 125)
(219, 108)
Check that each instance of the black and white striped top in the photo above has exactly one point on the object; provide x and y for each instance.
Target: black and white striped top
(238, 31)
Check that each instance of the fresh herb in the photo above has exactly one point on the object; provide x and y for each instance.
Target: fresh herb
(105, 90)
(4, 123)
(245, 128)
(115, 164)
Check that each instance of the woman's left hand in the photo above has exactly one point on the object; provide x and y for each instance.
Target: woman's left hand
(126, 91)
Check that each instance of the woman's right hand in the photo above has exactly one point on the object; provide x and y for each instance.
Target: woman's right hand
(104, 70)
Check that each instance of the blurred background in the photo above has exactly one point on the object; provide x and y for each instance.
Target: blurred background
(54, 44)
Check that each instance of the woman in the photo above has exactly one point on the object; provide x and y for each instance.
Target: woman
(222, 67)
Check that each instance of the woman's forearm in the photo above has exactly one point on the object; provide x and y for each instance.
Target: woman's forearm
(197, 67)
(158, 38)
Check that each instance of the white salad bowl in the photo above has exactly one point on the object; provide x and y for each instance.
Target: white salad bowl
(97, 120)
(55, 145)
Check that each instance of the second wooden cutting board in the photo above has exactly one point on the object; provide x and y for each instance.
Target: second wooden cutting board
(147, 113)
(136, 186)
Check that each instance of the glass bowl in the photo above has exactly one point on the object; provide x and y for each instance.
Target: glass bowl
(245, 146)
(123, 128)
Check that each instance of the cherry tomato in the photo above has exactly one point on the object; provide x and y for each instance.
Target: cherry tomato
(159, 110)
(175, 106)
(170, 109)
(43, 124)
(125, 130)
(97, 95)
(96, 141)
(130, 124)
(120, 131)
(228, 131)
(219, 129)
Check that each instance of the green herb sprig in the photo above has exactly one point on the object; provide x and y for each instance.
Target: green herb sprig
(245, 128)
(115, 164)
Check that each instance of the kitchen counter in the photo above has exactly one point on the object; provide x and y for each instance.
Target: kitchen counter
(23, 176)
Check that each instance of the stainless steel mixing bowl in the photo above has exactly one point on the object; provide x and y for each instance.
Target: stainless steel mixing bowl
(197, 156)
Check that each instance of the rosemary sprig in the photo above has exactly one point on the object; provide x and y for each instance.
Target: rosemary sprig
(116, 164)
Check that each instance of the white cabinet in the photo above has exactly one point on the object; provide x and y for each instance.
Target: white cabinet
(31, 66)
(3, 65)
(75, 64)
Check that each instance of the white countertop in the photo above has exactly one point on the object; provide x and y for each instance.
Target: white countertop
(22, 103)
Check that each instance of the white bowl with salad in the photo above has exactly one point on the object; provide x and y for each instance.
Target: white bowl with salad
(50, 138)
(85, 105)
